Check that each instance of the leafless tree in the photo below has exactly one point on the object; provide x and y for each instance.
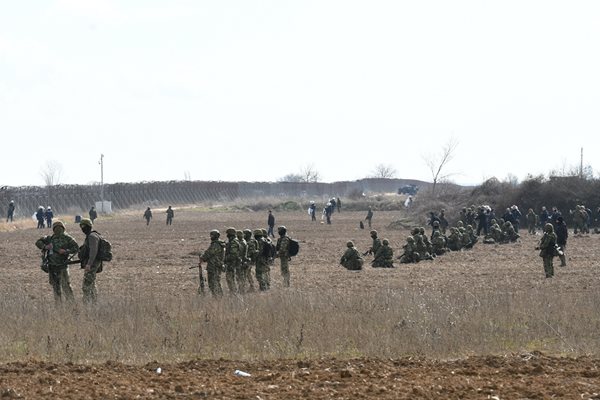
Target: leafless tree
(437, 163)
(51, 173)
(384, 171)
(310, 174)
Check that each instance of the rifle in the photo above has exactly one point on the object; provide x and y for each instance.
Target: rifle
(199, 266)
(370, 251)
(45, 266)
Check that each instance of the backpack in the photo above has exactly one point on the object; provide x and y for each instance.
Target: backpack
(104, 249)
(293, 247)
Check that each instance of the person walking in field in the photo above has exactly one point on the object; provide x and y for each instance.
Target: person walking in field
(270, 224)
(11, 211)
(148, 215)
(48, 215)
(214, 257)
(93, 214)
(170, 215)
(40, 216)
(312, 211)
(58, 247)
(369, 216)
(532, 221)
(282, 252)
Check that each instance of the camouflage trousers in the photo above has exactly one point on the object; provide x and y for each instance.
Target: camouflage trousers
(247, 276)
(285, 270)
(263, 276)
(548, 266)
(531, 229)
(90, 292)
(236, 281)
(213, 274)
(60, 281)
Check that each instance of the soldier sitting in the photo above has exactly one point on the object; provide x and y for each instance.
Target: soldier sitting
(510, 234)
(454, 240)
(352, 260)
(410, 254)
(384, 257)
(438, 244)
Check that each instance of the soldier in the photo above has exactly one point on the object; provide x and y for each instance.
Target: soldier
(384, 257)
(532, 221)
(88, 255)
(232, 260)
(438, 244)
(454, 239)
(351, 259)
(170, 215)
(562, 233)
(282, 252)
(262, 266)
(496, 232)
(435, 228)
(410, 255)
(251, 254)
(443, 221)
(420, 245)
(40, 216)
(578, 219)
(59, 246)
(369, 216)
(426, 240)
(473, 238)
(213, 256)
(510, 234)
(148, 215)
(269, 246)
(482, 223)
(242, 279)
(547, 249)
(376, 243)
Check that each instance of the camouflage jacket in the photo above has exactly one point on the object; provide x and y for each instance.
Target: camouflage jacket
(252, 251)
(233, 252)
(214, 255)
(351, 258)
(547, 244)
(282, 246)
(62, 241)
(375, 246)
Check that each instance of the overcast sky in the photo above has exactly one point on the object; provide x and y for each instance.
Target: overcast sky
(255, 90)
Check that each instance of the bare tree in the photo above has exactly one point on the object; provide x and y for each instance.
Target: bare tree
(384, 171)
(309, 174)
(51, 173)
(437, 163)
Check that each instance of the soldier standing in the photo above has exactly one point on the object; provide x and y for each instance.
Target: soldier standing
(241, 276)
(282, 252)
(170, 215)
(562, 233)
(262, 266)
(251, 254)
(58, 247)
(351, 259)
(89, 260)
(547, 248)
(213, 256)
(232, 260)
(532, 220)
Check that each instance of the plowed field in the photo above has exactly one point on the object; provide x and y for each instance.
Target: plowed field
(155, 259)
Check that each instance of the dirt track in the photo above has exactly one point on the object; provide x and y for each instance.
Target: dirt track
(163, 253)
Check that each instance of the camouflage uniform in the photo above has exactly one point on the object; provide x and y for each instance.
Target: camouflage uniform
(547, 249)
(420, 245)
(262, 268)
(87, 252)
(410, 255)
(384, 257)
(532, 221)
(352, 259)
(473, 238)
(454, 239)
(376, 243)
(214, 256)
(170, 215)
(242, 279)
(510, 234)
(233, 265)
(58, 273)
(438, 243)
(579, 217)
(284, 257)
(251, 254)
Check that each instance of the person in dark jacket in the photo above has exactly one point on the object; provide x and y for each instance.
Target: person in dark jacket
(40, 215)
(562, 233)
(48, 215)
(271, 224)
(11, 211)
(516, 214)
(544, 217)
(482, 223)
(93, 214)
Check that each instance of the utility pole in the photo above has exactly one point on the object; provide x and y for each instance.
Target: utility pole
(101, 162)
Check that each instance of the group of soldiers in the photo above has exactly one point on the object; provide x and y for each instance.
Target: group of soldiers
(237, 255)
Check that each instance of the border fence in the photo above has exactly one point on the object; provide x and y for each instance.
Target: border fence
(79, 198)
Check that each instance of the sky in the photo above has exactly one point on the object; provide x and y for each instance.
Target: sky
(242, 90)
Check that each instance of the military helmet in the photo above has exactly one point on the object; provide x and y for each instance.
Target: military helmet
(230, 231)
(247, 231)
(548, 228)
(385, 242)
(258, 232)
(282, 230)
(415, 231)
(460, 224)
(264, 232)
(422, 230)
(373, 232)
(85, 222)
(350, 243)
(215, 232)
(239, 234)
(58, 223)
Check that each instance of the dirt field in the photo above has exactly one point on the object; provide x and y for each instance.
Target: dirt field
(156, 258)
